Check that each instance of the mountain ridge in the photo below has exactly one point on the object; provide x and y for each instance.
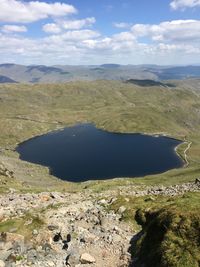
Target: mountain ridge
(66, 73)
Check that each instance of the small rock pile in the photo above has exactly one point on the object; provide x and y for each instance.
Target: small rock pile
(173, 190)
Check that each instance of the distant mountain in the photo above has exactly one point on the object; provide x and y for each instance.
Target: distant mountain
(7, 65)
(110, 66)
(181, 72)
(43, 69)
(66, 73)
(4, 79)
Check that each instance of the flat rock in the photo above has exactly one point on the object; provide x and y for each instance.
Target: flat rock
(87, 258)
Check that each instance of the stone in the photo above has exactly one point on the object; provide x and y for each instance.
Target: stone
(55, 195)
(117, 238)
(73, 257)
(5, 254)
(45, 198)
(87, 258)
(11, 237)
(122, 209)
(5, 245)
(2, 263)
(35, 232)
(52, 227)
(51, 263)
(102, 202)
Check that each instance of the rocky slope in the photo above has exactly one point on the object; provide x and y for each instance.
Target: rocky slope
(71, 229)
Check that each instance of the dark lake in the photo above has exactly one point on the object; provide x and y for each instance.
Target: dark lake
(84, 152)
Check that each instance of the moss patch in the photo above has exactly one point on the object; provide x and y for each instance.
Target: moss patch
(23, 226)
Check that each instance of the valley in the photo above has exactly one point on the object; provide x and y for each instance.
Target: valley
(117, 206)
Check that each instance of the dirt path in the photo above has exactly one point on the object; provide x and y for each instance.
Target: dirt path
(185, 153)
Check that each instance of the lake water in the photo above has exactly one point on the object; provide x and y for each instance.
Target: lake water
(84, 152)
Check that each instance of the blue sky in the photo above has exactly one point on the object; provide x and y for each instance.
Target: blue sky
(100, 31)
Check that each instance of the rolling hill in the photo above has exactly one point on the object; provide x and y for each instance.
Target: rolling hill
(65, 73)
(5, 79)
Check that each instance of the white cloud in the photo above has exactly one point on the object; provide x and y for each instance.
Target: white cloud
(25, 12)
(13, 28)
(78, 24)
(62, 25)
(123, 42)
(170, 31)
(173, 42)
(51, 28)
(122, 25)
(182, 4)
(124, 36)
(71, 36)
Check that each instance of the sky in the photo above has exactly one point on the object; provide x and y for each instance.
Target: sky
(92, 32)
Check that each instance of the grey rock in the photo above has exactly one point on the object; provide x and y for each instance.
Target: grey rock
(87, 258)
(73, 257)
(5, 254)
(53, 227)
(121, 210)
(35, 232)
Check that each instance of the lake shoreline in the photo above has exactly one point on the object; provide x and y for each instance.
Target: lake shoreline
(100, 131)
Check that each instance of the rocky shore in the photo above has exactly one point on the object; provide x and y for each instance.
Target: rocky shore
(70, 229)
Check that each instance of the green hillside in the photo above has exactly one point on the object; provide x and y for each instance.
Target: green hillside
(171, 222)
(30, 110)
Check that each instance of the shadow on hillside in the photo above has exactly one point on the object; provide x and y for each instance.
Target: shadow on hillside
(132, 248)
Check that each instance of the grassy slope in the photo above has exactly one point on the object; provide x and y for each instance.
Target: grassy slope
(170, 229)
(30, 110)
(170, 234)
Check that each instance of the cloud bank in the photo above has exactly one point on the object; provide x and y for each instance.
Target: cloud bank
(26, 12)
(182, 4)
(65, 39)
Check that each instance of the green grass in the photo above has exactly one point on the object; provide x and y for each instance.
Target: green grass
(133, 203)
(20, 226)
(170, 229)
(31, 110)
(170, 235)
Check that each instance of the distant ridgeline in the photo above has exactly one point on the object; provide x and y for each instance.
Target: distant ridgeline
(5, 79)
(142, 75)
